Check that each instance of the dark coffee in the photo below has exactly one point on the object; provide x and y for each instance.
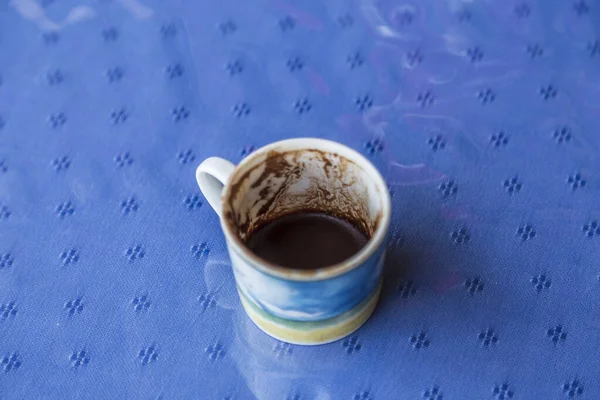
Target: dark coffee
(306, 240)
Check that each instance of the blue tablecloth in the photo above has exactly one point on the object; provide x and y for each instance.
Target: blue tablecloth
(483, 116)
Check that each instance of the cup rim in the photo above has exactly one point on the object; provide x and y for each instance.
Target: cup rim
(236, 244)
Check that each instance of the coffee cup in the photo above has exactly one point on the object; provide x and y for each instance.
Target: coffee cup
(304, 306)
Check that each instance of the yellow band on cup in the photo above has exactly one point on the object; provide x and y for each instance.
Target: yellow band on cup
(312, 332)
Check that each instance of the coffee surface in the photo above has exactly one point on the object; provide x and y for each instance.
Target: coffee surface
(306, 240)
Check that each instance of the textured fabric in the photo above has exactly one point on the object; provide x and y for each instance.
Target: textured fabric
(483, 117)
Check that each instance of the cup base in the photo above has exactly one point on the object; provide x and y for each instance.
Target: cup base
(309, 333)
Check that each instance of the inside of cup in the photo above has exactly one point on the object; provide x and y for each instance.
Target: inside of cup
(278, 182)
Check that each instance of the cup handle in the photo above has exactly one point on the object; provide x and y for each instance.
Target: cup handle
(212, 175)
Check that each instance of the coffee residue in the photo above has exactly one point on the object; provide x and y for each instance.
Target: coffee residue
(306, 180)
(306, 240)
